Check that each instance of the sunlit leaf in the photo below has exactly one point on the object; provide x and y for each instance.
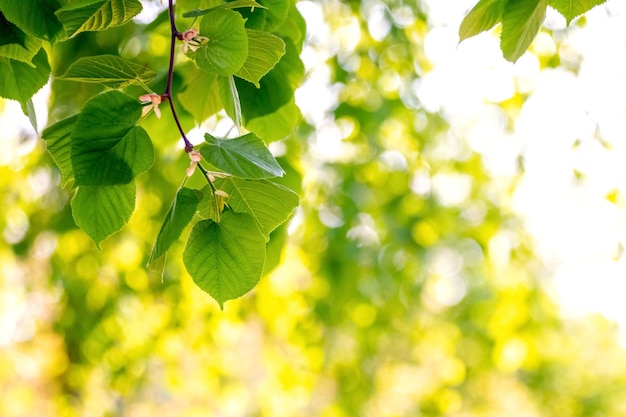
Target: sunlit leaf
(93, 15)
(264, 51)
(20, 81)
(107, 147)
(179, 215)
(109, 70)
(103, 210)
(244, 157)
(521, 21)
(571, 9)
(484, 16)
(201, 95)
(59, 144)
(269, 204)
(236, 4)
(227, 47)
(225, 259)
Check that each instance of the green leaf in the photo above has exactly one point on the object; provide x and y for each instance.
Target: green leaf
(294, 27)
(58, 141)
(179, 215)
(20, 81)
(208, 207)
(571, 9)
(201, 95)
(276, 13)
(521, 21)
(107, 147)
(229, 96)
(103, 210)
(16, 44)
(269, 204)
(244, 157)
(264, 51)
(35, 17)
(109, 70)
(277, 125)
(237, 4)
(227, 48)
(277, 87)
(225, 259)
(93, 15)
(482, 17)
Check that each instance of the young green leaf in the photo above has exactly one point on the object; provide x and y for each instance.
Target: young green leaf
(103, 210)
(58, 141)
(109, 70)
(20, 81)
(244, 157)
(107, 147)
(179, 215)
(227, 48)
(571, 9)
(484, 16)
(521, 21)
(264, 51)
(269, 204)
(35, 17)
(93, 15)
(236, 4)
(225, 259)
(201, 95)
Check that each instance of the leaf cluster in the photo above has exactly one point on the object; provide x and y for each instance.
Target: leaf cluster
(246, 63)
(521, 20)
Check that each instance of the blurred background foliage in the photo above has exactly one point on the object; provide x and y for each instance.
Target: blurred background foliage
(406, 285)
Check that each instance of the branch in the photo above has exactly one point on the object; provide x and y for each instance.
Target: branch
(176, 35)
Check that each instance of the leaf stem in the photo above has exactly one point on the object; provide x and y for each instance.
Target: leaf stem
(170, 75)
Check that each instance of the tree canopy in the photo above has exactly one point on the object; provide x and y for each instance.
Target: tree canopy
(364, 259)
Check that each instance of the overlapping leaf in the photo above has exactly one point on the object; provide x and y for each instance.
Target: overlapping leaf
(59, 144)
(277, 87)
(521, 20)
(20, 81)
(244, 157)
(225, 259)
(104, 209)
(236, 4)
(93, 15)
(269, 204)
(15, 44)
(107, 146)
(264, 51)
(109, 70)
(179, 215)
(35, 17)
(201, 95)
